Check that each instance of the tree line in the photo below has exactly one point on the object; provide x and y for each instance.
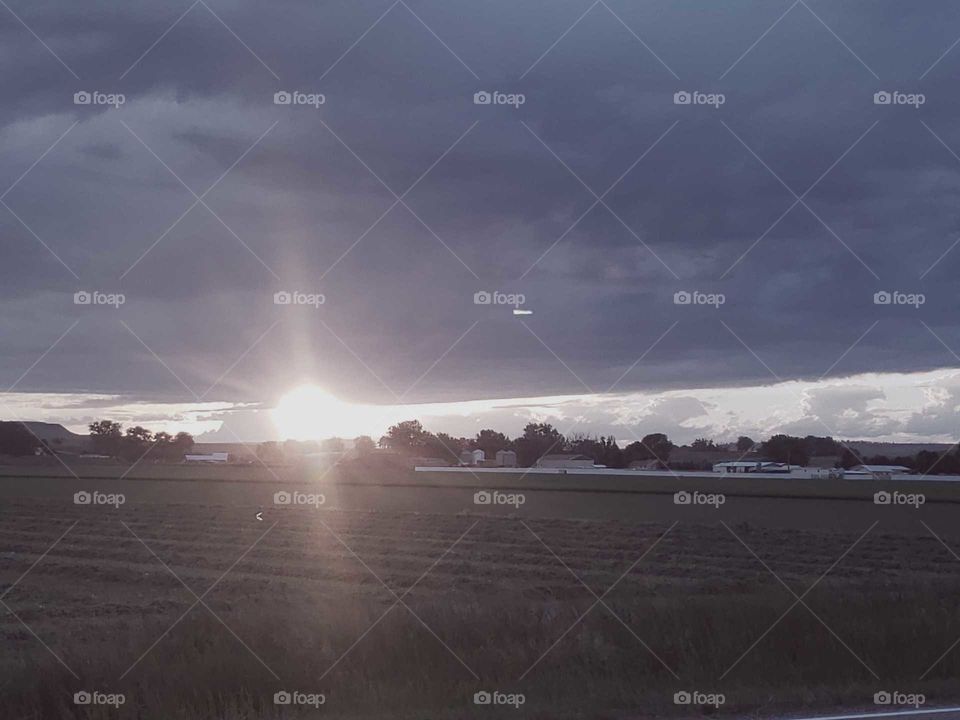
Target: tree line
(108, 438)
(539, 439)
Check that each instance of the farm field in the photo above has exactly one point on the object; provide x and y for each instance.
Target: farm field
(406, 601)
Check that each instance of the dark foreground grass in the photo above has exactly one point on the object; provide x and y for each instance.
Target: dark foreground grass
(598, 669)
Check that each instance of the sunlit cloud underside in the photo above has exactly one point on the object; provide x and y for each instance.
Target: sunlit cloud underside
(878, 406)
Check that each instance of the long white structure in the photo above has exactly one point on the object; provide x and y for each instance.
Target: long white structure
(216, 457)
(795, 474)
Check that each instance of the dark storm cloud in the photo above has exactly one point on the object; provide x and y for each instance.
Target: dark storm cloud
(496, 211)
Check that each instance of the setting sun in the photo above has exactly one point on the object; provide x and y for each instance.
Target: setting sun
(311, 413)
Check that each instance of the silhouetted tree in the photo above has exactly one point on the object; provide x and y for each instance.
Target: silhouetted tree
(162, 442)
(136, 443)
(444, 446)
(848, 459)
(183, 443)
(655, 446)
(609, 453)
(821, 445)
(538, 439)
(107, 437)
(140, 434)
(786, 449)
(582, 444)
(406, 435)
(490, 441)
(927, 462)
(364, 445)
(744, 444)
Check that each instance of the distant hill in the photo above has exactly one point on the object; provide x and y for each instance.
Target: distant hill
(57, 435)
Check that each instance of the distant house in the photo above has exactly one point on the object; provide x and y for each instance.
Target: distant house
(214, 457)
(737, 466)
(565, 460)
(472, 457)
(751, 466)
(506, 458)
(877, 472)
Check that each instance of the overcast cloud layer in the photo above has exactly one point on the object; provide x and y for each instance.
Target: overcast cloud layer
(598, 199)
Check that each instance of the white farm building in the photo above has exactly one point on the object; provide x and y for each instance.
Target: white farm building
(751, 466)
(214, 457)
(565, 460)
(472, 457)
(877, 472)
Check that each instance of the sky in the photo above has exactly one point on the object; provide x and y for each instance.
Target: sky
(788, 202)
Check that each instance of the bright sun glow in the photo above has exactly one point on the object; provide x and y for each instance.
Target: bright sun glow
(311, 413)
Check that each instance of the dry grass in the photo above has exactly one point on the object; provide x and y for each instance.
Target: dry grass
(497, 602)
